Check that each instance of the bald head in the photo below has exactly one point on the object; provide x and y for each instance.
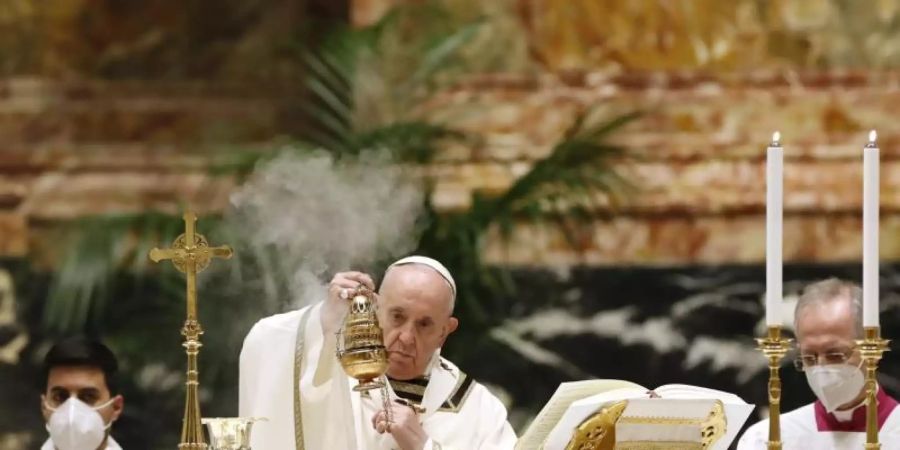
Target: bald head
(822, 294)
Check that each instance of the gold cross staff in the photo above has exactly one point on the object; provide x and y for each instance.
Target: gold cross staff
(190, 254)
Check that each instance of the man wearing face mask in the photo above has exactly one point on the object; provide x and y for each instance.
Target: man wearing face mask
(289, 373)
(80, 401)
(828, 320)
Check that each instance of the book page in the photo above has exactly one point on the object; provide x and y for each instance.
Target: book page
(565, 395)
(696, 392)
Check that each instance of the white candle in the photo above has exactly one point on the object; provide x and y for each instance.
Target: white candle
(870, 232)
(774, 200)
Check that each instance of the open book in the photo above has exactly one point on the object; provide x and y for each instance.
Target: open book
(676, 413)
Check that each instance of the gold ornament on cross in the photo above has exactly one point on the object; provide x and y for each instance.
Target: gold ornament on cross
(190, 254)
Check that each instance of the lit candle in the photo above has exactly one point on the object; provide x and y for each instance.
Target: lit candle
(870, 232)
(774, 199)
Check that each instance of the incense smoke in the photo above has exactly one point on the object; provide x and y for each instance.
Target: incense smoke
(301, 217)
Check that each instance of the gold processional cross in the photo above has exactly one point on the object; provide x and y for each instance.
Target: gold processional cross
(190, 254)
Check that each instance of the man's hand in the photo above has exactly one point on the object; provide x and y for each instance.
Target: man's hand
(405, 428)
(340, 291)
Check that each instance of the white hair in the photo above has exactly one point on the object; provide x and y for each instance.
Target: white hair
(830, 290)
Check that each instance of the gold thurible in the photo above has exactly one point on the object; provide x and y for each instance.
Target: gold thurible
(360, 343)
(871, 348)
(774, 347)
(190, 254)
(360, 347)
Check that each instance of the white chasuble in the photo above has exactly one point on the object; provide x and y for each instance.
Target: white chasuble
(295, 381)
(811, 427)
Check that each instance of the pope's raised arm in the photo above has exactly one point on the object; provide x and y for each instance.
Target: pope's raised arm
(290, 374)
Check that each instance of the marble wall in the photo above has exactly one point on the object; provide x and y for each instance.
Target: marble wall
(695, 158)
(665, 287)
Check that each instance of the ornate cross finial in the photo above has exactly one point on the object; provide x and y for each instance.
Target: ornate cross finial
(190, 254)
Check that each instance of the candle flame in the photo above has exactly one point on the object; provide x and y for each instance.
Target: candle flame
(872, 136)
(776, 136)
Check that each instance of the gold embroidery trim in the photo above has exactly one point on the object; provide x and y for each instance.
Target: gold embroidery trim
(448, 405)
(408, 388)
(298, 361)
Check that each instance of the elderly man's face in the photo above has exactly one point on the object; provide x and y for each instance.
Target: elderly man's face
(414, 311)
(829, 329)
(826, 328)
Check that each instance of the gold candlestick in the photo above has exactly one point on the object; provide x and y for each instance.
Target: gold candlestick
(872, 348)
(774, 347)
(190, 254)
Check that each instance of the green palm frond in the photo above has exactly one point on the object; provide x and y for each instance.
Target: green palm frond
(329, 101)
(413, 141)
(103, 246)
(442, 50)
(573, 179)
(349, 68)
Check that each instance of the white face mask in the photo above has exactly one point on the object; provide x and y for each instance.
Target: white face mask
(835, 384)
(76, 426)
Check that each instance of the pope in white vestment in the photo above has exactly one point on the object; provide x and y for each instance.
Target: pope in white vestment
(827, 320)
(289, 374)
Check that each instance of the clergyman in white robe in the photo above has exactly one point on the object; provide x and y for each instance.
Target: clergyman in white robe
(290, 375)
(811, 427)
(828, 319)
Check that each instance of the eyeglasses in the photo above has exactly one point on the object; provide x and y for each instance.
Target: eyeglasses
(804, 362)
